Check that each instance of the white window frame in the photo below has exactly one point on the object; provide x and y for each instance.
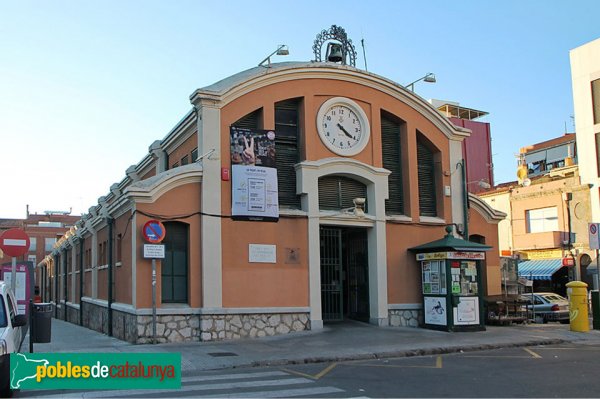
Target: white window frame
(542, 220)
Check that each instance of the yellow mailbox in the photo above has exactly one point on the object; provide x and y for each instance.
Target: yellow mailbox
(578, 306)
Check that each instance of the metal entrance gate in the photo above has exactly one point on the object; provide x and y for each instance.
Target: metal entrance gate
(331, 274)
(344, 274)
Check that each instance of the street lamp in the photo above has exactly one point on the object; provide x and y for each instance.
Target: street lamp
(429, 78)
(282, 49)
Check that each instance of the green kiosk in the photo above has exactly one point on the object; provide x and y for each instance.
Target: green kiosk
(451, 283)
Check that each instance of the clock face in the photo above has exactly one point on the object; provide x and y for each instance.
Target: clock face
(343, 126)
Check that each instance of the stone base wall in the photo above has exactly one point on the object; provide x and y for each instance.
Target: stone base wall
(95, 317)
(125, 326)
(406, 318)
(72, 315)
(176, 328)
(137, 329)
(221, 327)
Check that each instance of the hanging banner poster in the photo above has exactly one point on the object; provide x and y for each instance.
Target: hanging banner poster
(254, 193)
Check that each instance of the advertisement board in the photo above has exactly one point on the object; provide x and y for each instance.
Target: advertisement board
(254, 191)
(22, 290)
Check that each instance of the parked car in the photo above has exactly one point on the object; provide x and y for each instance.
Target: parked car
(11, 335)
(548, 306)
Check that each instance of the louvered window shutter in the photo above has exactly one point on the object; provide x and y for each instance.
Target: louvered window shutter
(338, 192)
(287, 151)
(250, 121)
(391, 152)
(427, 189)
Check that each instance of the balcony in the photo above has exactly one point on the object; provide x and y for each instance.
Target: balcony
(545, 240)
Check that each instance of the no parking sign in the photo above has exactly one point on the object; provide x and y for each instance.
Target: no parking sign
(153, 231)
(593, 229)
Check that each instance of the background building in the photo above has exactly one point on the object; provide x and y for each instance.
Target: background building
(477, 148)
(547, 218)
(585, 75)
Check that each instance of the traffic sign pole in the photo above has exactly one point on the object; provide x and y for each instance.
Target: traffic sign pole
(154, 232)
(13, 275)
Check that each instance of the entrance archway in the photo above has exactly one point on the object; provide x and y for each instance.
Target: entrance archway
(344, 273)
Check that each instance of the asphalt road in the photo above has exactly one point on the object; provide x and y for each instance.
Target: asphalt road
(552, 371)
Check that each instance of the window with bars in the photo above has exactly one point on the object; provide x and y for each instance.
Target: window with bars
(391, 128)
(174, 270)
(338, 192)
(427, 183)
(287, 129)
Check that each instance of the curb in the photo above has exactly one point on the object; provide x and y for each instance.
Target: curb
(394, 354)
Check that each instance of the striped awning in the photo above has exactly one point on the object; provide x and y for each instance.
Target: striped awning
(539, 269)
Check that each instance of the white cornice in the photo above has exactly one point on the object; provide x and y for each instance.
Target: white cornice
(149, 190)
(490, 214)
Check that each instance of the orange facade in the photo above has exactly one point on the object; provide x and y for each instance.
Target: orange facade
(209, 278)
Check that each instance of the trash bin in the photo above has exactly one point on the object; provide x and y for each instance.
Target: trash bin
(42, 323)
(578, 306)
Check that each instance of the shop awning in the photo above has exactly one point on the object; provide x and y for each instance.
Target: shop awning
(539, 269)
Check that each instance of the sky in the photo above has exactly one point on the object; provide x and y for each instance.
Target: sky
(87, 86)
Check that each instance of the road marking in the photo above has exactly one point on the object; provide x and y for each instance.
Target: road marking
(438, 364)
(186, 388)
(316, 376)
(284, 393)
(532, 353)
(233, 376)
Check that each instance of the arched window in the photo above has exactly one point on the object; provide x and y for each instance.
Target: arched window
(338, 192)
(287, 145)
(174, 271)
(391, 130)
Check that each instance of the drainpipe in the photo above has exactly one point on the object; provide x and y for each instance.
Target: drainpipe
(465, 201)
(64, 262)
(110, 222)
(81, 242)
(56, 259)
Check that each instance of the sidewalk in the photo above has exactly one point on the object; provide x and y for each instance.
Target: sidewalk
(336, 342)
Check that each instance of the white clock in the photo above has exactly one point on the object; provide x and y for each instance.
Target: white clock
(343, 126)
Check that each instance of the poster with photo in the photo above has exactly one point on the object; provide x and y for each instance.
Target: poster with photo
(254, 191)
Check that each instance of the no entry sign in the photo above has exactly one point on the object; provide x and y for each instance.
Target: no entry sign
(153, 231)
(14, 242)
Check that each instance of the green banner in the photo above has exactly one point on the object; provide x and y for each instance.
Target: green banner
(95, 370)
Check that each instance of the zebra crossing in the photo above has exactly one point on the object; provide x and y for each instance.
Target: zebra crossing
(255, 384)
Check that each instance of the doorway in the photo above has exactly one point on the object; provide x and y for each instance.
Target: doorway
(344, 274)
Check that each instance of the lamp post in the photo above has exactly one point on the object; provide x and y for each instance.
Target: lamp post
(282, 49)
(429, 78)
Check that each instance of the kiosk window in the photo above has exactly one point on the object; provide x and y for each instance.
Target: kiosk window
(434, 277)
(464, 277)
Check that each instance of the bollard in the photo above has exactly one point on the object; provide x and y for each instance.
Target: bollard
(578, 306)
(596, 310)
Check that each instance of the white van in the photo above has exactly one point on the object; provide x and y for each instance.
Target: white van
(12, 333)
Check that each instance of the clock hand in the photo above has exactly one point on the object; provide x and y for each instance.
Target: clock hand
(344, 130)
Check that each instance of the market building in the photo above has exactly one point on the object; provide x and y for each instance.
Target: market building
(290, 194)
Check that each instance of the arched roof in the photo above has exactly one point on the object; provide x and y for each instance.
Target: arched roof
(233, 87)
